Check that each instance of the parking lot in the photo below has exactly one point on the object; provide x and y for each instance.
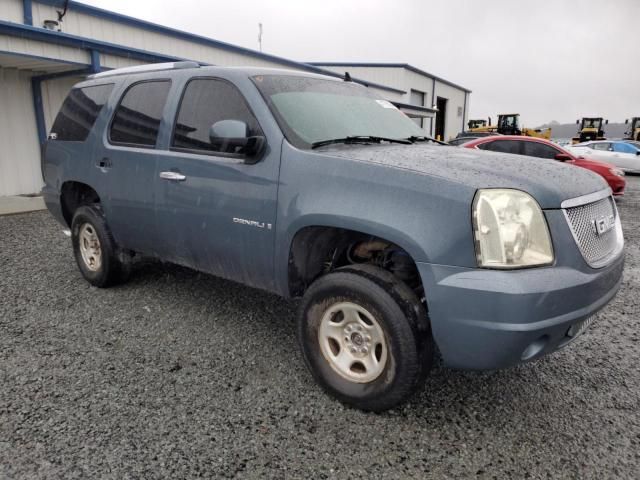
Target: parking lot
(178, 374)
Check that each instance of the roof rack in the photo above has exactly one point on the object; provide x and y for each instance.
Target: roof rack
(153, 67)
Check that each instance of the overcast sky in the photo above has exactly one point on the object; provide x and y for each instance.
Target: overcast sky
(548, 60)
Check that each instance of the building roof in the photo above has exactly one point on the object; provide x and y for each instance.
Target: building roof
(406, 66)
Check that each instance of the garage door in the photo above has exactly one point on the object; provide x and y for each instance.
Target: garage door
(19, 149)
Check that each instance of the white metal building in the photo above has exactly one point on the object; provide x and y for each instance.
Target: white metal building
(446, 103)
(46, 46)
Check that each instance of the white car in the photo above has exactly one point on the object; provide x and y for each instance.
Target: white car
(623, 155)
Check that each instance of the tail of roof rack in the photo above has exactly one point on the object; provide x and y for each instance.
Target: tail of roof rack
(152, 67)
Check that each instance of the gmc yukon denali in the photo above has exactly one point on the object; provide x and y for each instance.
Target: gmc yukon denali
(312, 186)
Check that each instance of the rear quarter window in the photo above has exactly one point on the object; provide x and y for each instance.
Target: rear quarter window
(79, 113)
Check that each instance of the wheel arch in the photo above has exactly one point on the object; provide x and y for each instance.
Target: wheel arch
(309, 243)
(74, 194)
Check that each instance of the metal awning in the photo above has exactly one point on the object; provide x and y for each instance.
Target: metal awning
(34, 63)
(415, 111)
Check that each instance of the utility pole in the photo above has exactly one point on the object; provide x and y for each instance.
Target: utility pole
(260, 36)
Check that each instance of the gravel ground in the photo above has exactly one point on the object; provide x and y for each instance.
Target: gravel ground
(178, 374)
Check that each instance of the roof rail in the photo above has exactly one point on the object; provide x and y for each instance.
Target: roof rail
(152, 67)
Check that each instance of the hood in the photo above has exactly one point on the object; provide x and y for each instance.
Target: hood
(548, 181)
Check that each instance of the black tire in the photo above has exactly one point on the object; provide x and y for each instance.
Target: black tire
(113, 267)
(402, 318)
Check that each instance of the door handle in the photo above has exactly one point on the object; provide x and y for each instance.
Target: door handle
(175, 176)
(104, 163)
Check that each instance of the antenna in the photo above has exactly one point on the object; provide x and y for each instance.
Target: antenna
(260, 36)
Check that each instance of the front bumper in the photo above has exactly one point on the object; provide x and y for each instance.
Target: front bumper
(487, 319)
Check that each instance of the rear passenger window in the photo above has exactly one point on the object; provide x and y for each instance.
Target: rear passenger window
(137, 118)
(504, 146)
(540, 150)
(205, 102)
(79, 112)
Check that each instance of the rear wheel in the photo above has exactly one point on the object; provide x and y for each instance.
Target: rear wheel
(95, 250)
(365, 337)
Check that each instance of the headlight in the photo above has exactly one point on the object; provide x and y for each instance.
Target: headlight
(616, 171)
(510, 230)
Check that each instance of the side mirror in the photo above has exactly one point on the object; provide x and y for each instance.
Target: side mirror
(606, 122)
(563, 157)
(577, 122)
(626, 121)
(232, 136)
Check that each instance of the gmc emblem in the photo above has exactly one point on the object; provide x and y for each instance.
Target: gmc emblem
(604, 224)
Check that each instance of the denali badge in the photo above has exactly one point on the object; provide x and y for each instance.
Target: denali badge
(252, 223)
(604, 224)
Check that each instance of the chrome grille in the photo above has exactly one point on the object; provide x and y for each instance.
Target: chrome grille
(597, 248)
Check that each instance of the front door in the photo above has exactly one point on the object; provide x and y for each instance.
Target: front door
(216, 212)
(127, 163)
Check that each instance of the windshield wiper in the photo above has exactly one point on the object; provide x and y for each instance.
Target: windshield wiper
(424, 138)
(361, 139)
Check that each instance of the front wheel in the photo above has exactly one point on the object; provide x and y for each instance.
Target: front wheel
(365, 337)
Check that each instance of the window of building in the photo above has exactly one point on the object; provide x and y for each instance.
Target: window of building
(205, 102)
(540, 150)
(417, 97)
(137, 118)
(79, 112)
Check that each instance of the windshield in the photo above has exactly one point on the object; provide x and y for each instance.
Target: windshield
(311, 110)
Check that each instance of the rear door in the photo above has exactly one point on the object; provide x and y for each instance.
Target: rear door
(127, 164)
(216, 212)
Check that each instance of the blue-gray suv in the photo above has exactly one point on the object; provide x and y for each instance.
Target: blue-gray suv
(311, 186)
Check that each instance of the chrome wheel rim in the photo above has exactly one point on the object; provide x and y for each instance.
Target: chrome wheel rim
(352, 342)
(90, 247)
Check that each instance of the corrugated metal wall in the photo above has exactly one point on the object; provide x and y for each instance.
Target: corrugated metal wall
(12, 10)
(20, 152)
(107, 30)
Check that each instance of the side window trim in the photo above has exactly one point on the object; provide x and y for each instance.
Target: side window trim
(177, 114)
(117, 106)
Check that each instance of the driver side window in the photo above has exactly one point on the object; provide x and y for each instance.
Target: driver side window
(205, 102)
(601, 146)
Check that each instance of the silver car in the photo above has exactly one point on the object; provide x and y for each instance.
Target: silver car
(624, 155)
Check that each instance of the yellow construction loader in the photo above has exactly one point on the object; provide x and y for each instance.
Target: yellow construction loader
(634, 132)
(473, 124)
(590, 129)
(508, 124)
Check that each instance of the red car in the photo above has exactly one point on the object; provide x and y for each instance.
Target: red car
(541, 148)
